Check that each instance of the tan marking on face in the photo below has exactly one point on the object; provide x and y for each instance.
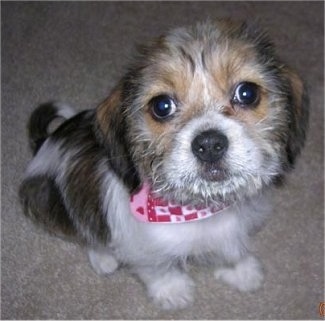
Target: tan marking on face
(297, 88)
(253, 115)
(156, 127)
(108, 109)
(229, 67)
(209, 87)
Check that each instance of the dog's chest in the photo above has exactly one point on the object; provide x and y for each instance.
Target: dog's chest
(137, 240)
(192, 238)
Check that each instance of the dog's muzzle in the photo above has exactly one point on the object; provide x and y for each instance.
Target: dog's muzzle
(210, 147)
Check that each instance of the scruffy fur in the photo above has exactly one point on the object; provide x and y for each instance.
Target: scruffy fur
(79, 183)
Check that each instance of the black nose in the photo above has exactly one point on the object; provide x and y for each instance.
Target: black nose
(210, 145)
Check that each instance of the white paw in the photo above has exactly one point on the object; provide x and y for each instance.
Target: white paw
(172, 291)
(102, 263)
(246, 276)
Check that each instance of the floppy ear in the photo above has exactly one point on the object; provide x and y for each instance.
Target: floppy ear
(298, 113)
(112, 127)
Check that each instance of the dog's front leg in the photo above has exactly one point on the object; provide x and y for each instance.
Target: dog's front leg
(245, 275)
(168, 288)
(102, 261)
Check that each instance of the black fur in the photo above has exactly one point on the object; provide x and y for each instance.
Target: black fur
(89, 159)
(298, 124)
(38, 125)
(117, 150)
(42, 202)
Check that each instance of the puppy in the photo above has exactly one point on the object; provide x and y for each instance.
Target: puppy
(176, 163)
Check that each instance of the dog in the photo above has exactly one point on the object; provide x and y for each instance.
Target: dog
(178, 163)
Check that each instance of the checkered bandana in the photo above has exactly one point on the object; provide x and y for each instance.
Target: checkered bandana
(146, 208)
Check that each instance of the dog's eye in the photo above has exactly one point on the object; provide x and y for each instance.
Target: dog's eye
(162, 107)
(246, 94)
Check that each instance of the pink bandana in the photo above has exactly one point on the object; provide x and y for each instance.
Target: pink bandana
(146, 208)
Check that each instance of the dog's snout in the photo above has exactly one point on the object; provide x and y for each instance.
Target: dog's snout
(210, 146)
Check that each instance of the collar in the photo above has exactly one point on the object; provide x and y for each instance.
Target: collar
(150, 209)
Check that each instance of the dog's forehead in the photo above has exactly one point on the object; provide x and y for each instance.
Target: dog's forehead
(205, 58)
(200, 67)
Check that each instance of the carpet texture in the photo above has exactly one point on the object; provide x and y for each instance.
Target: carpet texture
(75, 52)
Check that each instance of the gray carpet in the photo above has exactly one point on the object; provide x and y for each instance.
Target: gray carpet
(75, 52)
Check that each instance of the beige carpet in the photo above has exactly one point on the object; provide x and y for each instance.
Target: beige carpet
(75, 52)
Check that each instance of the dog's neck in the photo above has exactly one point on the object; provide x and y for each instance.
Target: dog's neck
(146, 207)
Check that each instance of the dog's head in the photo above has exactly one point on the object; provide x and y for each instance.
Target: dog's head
(205, 113)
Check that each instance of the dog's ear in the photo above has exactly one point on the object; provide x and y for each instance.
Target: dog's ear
(112, 127)
(298, 114)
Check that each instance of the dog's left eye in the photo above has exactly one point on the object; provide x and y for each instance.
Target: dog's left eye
(246, 94)
(162, 107)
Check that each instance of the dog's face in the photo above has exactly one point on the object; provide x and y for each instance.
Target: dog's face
(208, 113)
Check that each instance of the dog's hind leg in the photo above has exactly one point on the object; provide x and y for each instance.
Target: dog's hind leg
(43, 204)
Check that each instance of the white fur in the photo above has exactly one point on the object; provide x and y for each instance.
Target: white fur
(51, 159)
(47, 159)
(153, 251)
(65, 110)
(246, 275)
(170, 290)
(102, 261)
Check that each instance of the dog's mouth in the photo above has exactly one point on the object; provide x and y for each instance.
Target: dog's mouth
(213, 172)
(206, 183)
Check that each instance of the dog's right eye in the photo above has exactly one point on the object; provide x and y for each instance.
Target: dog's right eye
(162, 107)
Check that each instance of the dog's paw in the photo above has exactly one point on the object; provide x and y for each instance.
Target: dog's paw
(174, 290)
(102, 263)
(246, 275)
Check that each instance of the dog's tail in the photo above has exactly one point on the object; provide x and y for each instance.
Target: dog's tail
(39, 125)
